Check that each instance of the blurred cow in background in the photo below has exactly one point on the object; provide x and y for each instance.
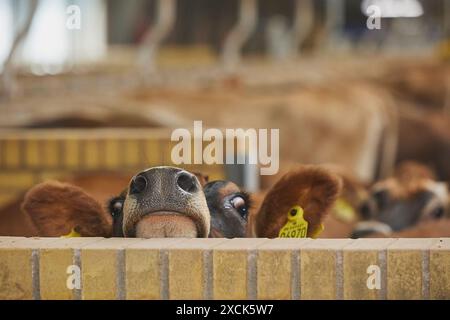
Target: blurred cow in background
(410, 203)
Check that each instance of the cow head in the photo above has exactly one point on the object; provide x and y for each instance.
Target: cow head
(410, 196)
(172, 202)
(161, 202)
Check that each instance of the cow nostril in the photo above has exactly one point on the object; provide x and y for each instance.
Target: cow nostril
(187, 182)
(357, 234)
(138, 185)
(363, 233)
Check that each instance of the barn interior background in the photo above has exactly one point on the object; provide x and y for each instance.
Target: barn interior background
(95, 88)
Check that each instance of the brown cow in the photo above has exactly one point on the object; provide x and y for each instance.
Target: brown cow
(410, 198)
(171, 202)
(101, 186)
(425, 137)
(345, 212)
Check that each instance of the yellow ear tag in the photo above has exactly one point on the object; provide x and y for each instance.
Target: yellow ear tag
(318, 231)
(72, 234)
(344, 211)
(296, 226)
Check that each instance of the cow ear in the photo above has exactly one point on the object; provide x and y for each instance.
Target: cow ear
(58, 209)
(313, 188)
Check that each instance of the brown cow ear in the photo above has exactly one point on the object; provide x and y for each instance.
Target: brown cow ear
(57, 209)
(312, 188)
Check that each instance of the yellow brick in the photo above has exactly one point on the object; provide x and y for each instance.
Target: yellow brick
(274, 273)
(404, 263)
(130, 153)
(230, 268)
(33, 156)
(269, 285)
(17, 180)
(16, 281)
(71, 154)
(143, 274)
(11, 153)
(50, 154)
(143, 268)
(15, 274)
(112, 154)
(99, 268)
(186, 268)
(91, 154)
(318, 268)
(440, 269)
(357, 258)
(54, 260)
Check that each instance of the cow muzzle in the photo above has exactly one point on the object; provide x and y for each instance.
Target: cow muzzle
(165, 202)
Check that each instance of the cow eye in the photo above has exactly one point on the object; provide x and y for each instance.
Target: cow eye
(381, 198)
(240, 205)
(365, 210)
(115, 207)
(437, 212)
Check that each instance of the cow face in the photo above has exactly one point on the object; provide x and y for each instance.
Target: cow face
(162, 202)
(401, 202)
(229, 209)
(171, 202)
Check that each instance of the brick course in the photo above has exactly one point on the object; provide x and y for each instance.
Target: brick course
(115, 268)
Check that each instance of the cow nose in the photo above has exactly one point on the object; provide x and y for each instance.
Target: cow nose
(138, 184)
(187, 182)
(365, 228)
(356, 234)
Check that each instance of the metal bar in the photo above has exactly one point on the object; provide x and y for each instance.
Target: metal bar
(165, 20)
(241, 32)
